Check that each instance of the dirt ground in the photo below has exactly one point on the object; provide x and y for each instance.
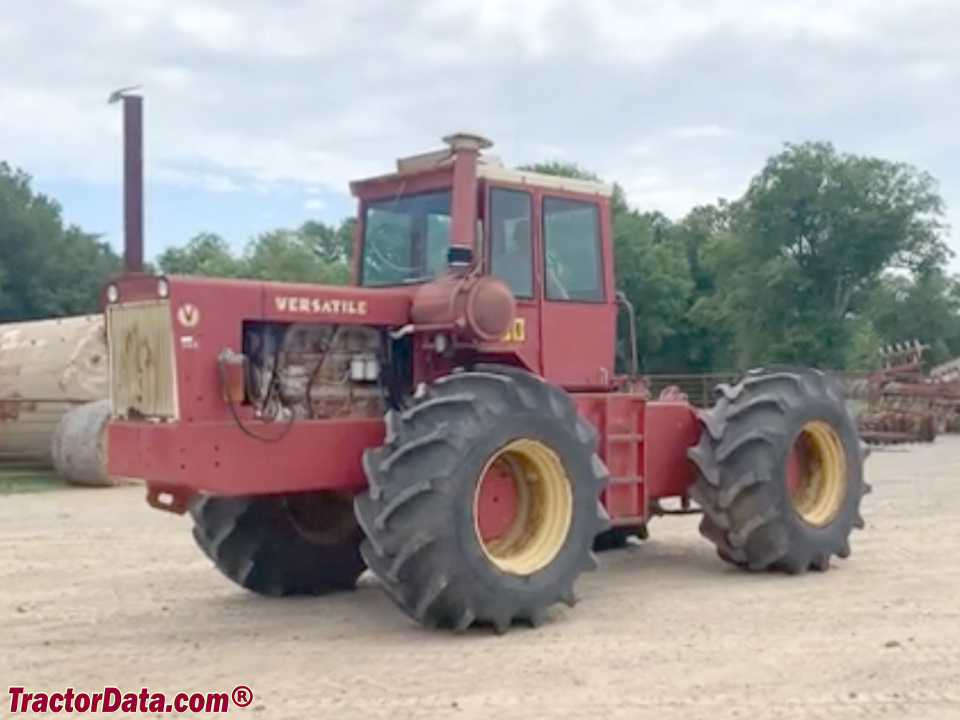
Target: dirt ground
(97, 589)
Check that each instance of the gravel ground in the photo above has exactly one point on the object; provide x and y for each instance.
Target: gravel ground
(97, 589)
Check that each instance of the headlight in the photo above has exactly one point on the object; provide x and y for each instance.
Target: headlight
(163, 289)
(113, 294)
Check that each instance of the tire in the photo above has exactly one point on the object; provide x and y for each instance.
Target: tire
(742, 459)
(258, 542)
(418, 514)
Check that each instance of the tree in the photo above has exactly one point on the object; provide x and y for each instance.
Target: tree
(314, 253)
(924, 307)
(287, 255)
(331, 245)
(47, 268)
(698, 344)
(205, 254)
(811, 235)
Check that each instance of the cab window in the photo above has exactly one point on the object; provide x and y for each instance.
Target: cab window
(573, 269)
(511, 240)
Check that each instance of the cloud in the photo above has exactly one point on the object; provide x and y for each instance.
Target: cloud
(680, 102)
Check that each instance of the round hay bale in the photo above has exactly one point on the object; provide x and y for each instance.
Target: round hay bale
(79, 445)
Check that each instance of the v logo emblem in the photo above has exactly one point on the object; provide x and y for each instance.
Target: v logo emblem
(188, 315)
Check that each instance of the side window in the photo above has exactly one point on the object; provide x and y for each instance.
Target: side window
(571, 244)
(386, 253)
(511, 244)
(438, 243)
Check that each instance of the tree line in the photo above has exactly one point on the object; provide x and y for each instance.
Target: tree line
(826, 257)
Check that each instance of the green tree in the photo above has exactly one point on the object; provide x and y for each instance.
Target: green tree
(698, 344)
(47, 268)
(924, 307)
(287, 255)
(331, 245)
(313, 253)
(205, 254)
(811, 235)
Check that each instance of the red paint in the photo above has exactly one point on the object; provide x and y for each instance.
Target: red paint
(325, 454)
(671, 428)
(569, 343)
(218, 457)
(463, 226)
(578, 338)
(497, 501)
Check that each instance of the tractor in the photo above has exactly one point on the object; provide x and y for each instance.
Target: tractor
(452, 420)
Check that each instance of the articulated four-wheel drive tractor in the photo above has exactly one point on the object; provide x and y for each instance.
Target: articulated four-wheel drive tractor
(456, 419)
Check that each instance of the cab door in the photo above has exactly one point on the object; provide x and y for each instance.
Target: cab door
(510, 238)
(578, 301)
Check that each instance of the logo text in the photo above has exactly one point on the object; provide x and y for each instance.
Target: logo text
(319, 306)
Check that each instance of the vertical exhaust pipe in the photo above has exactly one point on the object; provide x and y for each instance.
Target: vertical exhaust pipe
(132, 178)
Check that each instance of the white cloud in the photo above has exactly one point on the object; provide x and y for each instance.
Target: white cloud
(680, 102)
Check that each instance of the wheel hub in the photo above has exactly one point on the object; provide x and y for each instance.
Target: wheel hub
(523, 507)
(817, 474)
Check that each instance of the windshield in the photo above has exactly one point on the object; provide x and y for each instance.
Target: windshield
(405, 239)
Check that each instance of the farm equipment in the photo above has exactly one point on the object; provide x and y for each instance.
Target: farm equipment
(905, 404)
(451, 419)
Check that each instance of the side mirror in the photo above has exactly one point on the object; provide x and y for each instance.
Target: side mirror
(625, 303)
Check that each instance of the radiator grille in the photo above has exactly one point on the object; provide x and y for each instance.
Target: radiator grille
(142, 361)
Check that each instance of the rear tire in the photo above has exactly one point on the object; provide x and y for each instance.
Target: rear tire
(780, 476)
(269, 546)
(423, 510)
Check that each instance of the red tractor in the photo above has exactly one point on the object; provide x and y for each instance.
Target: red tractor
(452, 420)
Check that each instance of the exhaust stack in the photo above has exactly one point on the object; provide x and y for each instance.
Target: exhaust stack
(132, 178)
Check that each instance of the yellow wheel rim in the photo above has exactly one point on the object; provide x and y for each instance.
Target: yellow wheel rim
(817, 474)
(523, 507)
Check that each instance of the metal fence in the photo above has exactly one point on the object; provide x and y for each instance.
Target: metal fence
(700, 388)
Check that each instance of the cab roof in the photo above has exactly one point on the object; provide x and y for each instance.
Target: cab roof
(489, 167)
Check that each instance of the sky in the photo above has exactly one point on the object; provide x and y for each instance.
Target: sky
(259, 112)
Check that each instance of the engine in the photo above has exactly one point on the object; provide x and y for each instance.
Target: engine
(315, 371)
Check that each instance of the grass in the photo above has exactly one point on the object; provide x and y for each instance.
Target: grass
(26, 479)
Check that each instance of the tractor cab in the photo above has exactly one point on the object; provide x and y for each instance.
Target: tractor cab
(546, 237)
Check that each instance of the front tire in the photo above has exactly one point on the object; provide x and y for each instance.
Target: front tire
(780, 476)
(435, 538)
(281, 545)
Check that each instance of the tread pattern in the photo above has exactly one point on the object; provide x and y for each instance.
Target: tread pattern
(254, 543)
(413, 510)
(740, 459)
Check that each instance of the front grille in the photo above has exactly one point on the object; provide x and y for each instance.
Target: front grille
(142, 361)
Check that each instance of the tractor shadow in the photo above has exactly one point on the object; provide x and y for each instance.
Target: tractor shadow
(676, 564)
